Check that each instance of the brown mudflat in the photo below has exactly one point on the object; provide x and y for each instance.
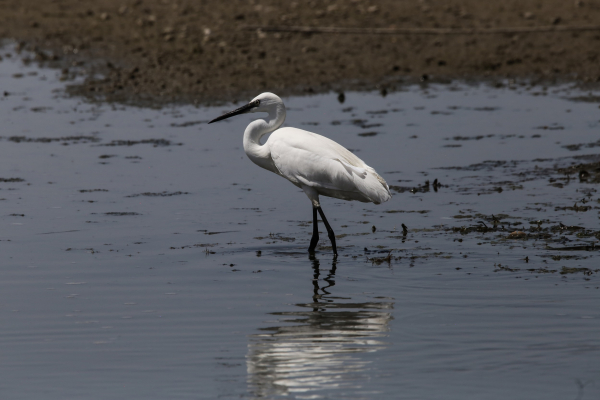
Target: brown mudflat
(203, 51)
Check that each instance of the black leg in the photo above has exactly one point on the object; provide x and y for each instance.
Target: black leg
(329, 231)
(315, 236)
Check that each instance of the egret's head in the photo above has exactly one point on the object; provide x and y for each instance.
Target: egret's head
(264, 102)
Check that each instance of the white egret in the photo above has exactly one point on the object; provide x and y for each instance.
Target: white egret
(314, 163)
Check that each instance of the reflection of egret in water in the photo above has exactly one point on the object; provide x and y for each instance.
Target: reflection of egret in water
(319, 347)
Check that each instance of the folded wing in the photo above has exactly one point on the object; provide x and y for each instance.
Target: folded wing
(309, 159)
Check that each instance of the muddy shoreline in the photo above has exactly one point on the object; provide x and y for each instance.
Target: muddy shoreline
(183, 51)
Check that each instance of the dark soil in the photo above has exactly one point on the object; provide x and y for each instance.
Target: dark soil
(183, 50)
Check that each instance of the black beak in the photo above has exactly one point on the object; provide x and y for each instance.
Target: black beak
(240, 110)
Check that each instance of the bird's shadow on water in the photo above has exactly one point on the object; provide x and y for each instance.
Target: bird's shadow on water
(320, 344)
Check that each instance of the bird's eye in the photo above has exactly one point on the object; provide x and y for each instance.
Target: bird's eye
(257, 103)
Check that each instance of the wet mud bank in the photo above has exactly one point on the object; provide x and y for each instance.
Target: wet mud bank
(156, 51)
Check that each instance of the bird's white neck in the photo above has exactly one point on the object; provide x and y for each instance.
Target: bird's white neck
(261, 154)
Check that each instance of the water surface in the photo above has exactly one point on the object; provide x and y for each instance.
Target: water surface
(146, 257)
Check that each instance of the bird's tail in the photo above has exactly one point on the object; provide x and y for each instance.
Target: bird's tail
(383, 194)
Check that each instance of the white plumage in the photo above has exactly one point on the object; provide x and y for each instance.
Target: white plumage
(314, 163)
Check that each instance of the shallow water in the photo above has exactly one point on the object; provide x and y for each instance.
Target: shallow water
(146, 257)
